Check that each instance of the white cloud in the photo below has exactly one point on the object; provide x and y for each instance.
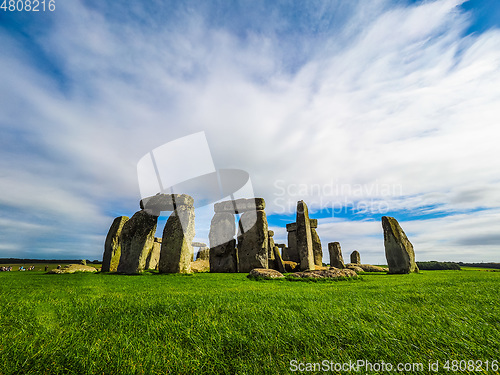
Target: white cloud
(397, 96)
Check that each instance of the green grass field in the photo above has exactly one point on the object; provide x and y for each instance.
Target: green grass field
(228, 324)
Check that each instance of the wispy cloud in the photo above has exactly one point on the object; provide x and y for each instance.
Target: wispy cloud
(366, 93)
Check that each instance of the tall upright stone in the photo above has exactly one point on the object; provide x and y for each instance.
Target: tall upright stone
(154, 255)
(291, 253)
(137, 240)
(316, 241)
(398, 249)
(176, 248)
(270, 245)
(112, 245)
(304, 238)
(336, 259)
(355, 257)
(222, 254)
(253, 241)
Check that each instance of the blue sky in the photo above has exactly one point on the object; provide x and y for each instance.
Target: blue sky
(360, 108)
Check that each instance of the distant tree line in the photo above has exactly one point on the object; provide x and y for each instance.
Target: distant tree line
(434, 266)
(480, 265)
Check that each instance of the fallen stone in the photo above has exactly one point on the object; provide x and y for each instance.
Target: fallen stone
(332, 273)
(265, 273)
(398, 249)
(372, 268)
(241, 205)
(112, 245)
(137, 240)
(290, 266)
(354, 267)
(304, 238)
(201, 265)
(253, 242)
(355, 258)
(176, 249)
(336, 259)
(222, 253)
(72, 268)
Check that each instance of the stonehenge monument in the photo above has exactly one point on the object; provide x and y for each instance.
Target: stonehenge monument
(336, 259)
(112, 245)
(398, 249)
(130, 246)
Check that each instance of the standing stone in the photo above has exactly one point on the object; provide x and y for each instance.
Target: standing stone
(398, 249)
(291, 253)
(253, 241)
(112, 246)
(336, 259)
(137, 240)
(176, 248)
(316, 241)
(154, 255)
(278, 262)
(222, 254)
(270, 245)
(304, 238)
(203, 253)
(355, 258)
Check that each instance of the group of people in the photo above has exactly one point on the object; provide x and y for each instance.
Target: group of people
(21, 268)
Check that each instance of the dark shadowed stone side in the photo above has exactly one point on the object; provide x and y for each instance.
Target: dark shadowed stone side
(304, 238)
(176, 247)
(252, 244)
(278, 262)
(291, 253)
(222, 254)
(336, 259)
(317, 250)
(398, 249)
(203, 253)
(137, 239)
(112, 246)
(355, 257)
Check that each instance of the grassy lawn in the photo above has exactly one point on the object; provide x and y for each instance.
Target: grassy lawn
(225, 323)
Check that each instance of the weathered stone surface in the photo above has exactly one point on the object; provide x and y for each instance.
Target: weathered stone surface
(253, 242)
(332, 273)
(199, 244)
(354, 267)
(280, 245)
(270, 245)
(317, 249)
(72, 268)
(203, 253)
(201, 265)
(112, 245)
(240, 205)
(372, 268)
(398, 249)
(304, 238)
(176, 249)
(278, 262)
(313, 223)
(154, 255)
(291, 266)
(336, 259)
(291, 252)
(165, 202)
(222, 254)
(265, 273)
(355, 258)
(137, 239)
(291, 227)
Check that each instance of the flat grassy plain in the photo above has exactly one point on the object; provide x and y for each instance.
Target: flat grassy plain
(227, 324)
